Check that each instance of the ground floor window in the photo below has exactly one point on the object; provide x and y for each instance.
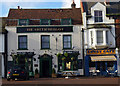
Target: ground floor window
(67, 62)
(110, 65)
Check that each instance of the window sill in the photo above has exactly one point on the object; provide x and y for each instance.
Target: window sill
(22, 49)
(67, 48)
(45, 49)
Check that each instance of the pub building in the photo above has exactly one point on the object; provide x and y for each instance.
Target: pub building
(46, 41)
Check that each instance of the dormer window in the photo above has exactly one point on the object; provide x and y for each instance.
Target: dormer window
(98, 16)
(23, 21)
(66, 22)
(44, 21)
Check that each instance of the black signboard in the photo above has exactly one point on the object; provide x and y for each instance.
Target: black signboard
(45, 29)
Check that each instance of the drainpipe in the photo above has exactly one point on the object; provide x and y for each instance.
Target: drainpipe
(83, 50)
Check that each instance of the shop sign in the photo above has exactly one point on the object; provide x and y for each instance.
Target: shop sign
(45, 29)
(101, 52)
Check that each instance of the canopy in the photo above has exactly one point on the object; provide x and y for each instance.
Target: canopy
(103, 58)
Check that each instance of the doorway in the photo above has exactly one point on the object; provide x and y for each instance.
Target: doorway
(45, 68)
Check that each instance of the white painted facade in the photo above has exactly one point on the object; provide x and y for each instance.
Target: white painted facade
(106, 20)
(34, 44)
(2, 50)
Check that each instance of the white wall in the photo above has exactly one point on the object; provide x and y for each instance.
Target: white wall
(106, 20)
(2, 42)
(34, 40)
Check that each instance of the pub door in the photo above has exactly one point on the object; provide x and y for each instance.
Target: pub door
(45, 68)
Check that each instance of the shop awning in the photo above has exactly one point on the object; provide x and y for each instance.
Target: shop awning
(103, 58)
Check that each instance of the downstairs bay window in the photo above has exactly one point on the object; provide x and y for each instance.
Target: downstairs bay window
(68, 63)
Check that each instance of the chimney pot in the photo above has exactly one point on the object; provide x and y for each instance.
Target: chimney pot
(18, 7)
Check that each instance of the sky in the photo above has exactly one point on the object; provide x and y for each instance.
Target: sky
(34, 4)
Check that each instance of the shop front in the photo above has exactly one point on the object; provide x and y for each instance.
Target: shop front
(101, 63)
(68, 63)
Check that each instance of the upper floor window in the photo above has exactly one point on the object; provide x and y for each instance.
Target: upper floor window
(23, 21)
(99, 37)
(44, 21)
(98, 16)
(66, 22)
(91, 33)
(67, 43)
(22, 42)
(45, 42)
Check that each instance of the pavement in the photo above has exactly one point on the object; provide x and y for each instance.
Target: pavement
(79, 81)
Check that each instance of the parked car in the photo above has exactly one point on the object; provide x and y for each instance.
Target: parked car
(17, 72)
(112, 73)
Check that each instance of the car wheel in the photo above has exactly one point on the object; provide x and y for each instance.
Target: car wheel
(8, 79)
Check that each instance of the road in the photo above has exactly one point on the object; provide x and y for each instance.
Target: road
(88, 81)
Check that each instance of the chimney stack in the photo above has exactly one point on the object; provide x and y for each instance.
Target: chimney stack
(73, 5)
(18, 7)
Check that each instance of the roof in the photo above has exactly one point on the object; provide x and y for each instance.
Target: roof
(87, 6)
(112, 8)
(74, 14)
(2, 25)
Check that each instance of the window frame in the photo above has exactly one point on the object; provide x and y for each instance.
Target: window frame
(70, 21)
(100, 37)
(70, 42)
(42, 42)
(27, 22)
(49, 21)
(25, 42)
(98, 18)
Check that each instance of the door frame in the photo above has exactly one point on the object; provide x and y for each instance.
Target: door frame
(43, 58)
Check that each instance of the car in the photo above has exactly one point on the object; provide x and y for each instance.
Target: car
(112, 73)
(17, 72)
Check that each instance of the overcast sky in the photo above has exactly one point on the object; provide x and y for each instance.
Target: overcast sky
(39, 4)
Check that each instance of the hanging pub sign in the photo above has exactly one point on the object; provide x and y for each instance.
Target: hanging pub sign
(101, 52)
(45, 29)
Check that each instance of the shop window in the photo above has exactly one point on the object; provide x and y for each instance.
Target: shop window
(23, 21)
(45, 42)
(69, 62)
(66, 22)
(22, 42)
(44, 21)
(98, 16)
(99, 37)
(67, 65)
(110, 65)
(67, 42)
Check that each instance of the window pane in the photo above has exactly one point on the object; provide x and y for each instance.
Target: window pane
(66, 41)
(98, 16)
(23, 22)
(66, 22)
(107, 37)
(22, 42)
(45, 41)
(45, 22)
(99, 36)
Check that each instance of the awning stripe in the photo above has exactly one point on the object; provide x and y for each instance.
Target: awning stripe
(103, 58)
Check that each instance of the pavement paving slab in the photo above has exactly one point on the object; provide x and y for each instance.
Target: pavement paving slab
(93, 81)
